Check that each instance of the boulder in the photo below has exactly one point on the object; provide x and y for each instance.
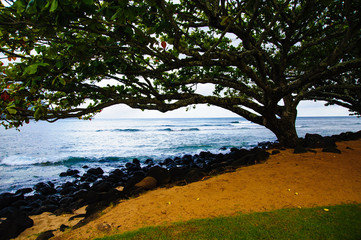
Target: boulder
(313, 141)
(67, 188)
(14, 225)
(187, 159)
(88, 197)
(45, 188)
(89, 178)
(70, 172)
(6, 199)
(114, 179)
(46, 208)
(317, 141)
(162, 175)
(63, 227)
(19, 203)
(194, 175)
(24, 191)
(136, 161)
(238, 153)
(148, 183)
(5, 212)
(66, 201)
(246, 160)
(95, 171)
(45, 235)
(261, 155)
(149, 162)
(102, 186)
(168, 161)
(347, 136)
(117, 172)
(178, 173)
(274, 152)
(132, 167)
(130, 184)
(299, 149)
(331, 150)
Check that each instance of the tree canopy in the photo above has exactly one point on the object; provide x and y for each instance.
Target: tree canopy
(75, 58)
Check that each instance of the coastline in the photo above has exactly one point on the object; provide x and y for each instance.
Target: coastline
(319, 179)
(110, 144)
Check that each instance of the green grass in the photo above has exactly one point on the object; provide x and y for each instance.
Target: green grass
(340, 222)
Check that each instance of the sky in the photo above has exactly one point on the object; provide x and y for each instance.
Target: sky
(305, 109)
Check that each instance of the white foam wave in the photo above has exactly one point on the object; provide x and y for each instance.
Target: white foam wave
(19, 160)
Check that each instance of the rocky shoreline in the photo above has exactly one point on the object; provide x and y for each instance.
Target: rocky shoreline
(97, 190)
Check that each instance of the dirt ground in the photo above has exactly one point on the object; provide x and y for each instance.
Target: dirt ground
(286, 180)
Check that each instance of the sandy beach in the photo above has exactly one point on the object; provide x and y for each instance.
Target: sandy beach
(285, 180)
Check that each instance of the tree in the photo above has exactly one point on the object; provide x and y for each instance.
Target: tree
(343, 91)
(261, 57)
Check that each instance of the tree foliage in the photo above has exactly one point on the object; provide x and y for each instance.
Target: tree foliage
(262, 58)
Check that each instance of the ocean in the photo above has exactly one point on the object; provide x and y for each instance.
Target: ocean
(41, 150)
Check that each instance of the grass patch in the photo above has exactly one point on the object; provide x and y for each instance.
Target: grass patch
(339, 222)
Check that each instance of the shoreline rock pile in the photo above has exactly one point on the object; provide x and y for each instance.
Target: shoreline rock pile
(97, 190)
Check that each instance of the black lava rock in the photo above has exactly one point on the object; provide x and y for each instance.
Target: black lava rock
(45, 188)
(95, 171)
(194, 175)
(70, 172)
(14, 225)
(162, 175)
(299, 149)
(331, 150)
(45, 235)
(6, 199)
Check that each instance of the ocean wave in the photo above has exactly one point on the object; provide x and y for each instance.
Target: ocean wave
(189, 129)
(70, 161)
(166, 130)
(120, 130)
(67, 161)
(18, 160)
(177, 130)
(21, 160)
(194, 147)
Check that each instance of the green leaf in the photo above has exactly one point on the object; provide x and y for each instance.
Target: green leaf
(11, 109)
(20, 6)
(39, 112)
(115, 16)
(59, 64)
(62, 81)
(54, 6)
(32, 69)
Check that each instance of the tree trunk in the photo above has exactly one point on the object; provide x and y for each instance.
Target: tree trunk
(284, 128)
(286, 133)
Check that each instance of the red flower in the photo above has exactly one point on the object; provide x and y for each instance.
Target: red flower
(164, 44)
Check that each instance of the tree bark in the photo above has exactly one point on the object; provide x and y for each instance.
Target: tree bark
(284, 128)
(286, 134)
